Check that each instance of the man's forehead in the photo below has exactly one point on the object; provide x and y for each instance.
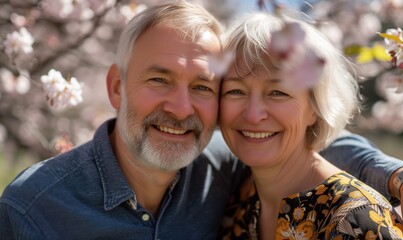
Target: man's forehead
(206, 36)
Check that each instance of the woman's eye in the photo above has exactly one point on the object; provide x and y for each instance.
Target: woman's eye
(278, 93)
(234, 92)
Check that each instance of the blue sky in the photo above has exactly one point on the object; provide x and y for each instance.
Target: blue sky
(250, 5)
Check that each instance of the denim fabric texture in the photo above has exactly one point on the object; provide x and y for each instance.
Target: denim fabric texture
(83, 194)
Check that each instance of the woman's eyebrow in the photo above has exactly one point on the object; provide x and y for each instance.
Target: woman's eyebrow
(233, 79)
(274, 80)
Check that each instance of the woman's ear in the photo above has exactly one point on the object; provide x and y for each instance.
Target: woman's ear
(312, 118)
(113, 85)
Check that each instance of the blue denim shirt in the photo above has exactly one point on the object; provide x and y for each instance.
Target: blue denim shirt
(83, 194)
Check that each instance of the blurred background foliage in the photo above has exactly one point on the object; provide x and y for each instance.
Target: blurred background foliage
(79, 37)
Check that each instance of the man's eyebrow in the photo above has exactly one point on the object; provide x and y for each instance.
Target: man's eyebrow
(164, 70)
(206, 77)
(158, 69)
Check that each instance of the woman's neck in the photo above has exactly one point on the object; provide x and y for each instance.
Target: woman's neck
(288, 176)
(294, 175)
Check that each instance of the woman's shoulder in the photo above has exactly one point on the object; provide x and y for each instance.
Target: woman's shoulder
(344, 188)
(358, 209)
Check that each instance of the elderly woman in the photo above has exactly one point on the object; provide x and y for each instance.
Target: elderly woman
(277, 126)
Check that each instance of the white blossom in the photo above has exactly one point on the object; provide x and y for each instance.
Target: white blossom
(72, 95)
(60, 92)
(53, 83)
(15, 84)
(392, 45)
(130, 10)
(18, 42)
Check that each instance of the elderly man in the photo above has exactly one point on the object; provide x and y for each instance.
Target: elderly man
(147, 173)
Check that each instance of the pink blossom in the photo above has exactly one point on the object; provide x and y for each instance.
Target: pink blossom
(389, 115)
(305, 71)
(18, 20)
(218, 64)
(284, 41)
(300, 66)
(63, 144)
(395, 82)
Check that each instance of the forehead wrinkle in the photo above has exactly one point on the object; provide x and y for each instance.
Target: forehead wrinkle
(167, 71)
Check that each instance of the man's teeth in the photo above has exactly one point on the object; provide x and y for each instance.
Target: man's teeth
(257, 135)
(171, 130)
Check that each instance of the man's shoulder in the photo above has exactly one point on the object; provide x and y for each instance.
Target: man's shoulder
(31, 184)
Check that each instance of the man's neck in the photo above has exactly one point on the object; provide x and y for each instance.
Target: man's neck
(149, 184)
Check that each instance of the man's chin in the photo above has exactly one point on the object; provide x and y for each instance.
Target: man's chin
(172, 160)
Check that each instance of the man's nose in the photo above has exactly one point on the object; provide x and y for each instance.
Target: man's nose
(179, 103)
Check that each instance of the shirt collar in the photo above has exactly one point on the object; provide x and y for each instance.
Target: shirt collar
(116, 188)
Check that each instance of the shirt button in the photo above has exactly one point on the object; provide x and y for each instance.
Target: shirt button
(145, 217)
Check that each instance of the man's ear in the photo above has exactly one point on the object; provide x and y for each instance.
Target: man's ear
(113, 84)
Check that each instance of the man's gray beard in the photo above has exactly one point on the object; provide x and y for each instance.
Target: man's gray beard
(163, 155)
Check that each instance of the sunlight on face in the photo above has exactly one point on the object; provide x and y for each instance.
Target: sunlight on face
(169, 101)
(261, 119)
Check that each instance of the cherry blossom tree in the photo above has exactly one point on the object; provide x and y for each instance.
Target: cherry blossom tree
(368, 31)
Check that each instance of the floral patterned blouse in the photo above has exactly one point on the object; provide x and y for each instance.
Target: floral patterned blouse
(341, 207)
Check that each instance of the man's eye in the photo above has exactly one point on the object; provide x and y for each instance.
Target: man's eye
(158, 80)
(203, 88)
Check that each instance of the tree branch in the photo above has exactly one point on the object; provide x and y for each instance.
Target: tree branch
(37, 68)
